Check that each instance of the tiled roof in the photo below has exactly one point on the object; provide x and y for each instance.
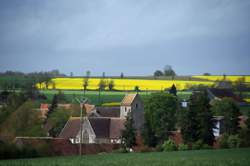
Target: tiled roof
(108, 111)
(44, 106)
(128, 99)
(102, 127)
(71, 128)
(116, 126)
(221, 93)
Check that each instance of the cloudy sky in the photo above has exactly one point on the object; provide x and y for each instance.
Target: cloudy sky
(131, 36)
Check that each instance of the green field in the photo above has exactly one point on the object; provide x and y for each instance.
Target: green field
(227, 157)
(105, 97)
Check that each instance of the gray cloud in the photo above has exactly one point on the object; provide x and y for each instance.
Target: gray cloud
(131, 36)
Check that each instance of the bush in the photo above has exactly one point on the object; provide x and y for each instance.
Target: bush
(233, 141)
(183, 147)
(223, 141)
(159, 148)
(169, 145)
(197, 145)
(206, 146)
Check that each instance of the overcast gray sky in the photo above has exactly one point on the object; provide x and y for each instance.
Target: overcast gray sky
(131, 36)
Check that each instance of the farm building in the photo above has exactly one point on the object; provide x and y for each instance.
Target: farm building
(104, 124)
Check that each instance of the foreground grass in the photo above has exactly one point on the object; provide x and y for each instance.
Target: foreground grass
(227, 157)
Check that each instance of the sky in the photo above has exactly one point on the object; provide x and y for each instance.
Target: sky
(135, 37)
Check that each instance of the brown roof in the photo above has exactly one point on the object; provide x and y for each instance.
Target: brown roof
(221, 93)
(44, 106)
(71, 128)
(128, 99)
(100, 126)
(103, 127)
(116, 126)
(108, 111)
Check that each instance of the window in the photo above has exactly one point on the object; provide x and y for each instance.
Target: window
(136, 105)
(125, 109)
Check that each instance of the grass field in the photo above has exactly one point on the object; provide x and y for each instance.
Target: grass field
(105, 97)
(227, 157)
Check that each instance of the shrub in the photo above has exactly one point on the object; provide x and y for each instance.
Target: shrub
(159, 148)
(223, 141)
(169, 145)
(183, 147)
(233, 141)
(206, 146)
(197, 145)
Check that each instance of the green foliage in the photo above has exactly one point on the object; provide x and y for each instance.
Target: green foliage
(158, 73)
(169, 145)
(129, 133)
(173, 90)
(160, 117)
(223, 141)
(196, 123)
(234, 141)
(197, 145)
(11, 151)
(111, 85)
(182, 147)
(245, 133)
(228, 108)
(57, 120)
(27, 122)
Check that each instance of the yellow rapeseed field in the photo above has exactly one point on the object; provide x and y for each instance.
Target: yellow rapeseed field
(230, 78)
(124, 84)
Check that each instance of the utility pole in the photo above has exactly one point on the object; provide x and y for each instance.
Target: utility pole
(81, 102)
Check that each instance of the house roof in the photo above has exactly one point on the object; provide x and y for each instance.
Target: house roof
(102, 127)
(128, 99)
(71, 128)
(221, 93)
(108, 111)
(44, 106)
(116, 126)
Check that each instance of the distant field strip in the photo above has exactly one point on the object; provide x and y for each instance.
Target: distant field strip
(125, 84)
(229, 78)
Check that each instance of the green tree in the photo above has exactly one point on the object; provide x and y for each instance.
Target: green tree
(158, 73)
(111, 85)
(129, 133)
(168, 71)
(160, 116)
(137, 89)
(228, 108)
(86, 82)
(197, 123)
(57, 120)
(173, 90)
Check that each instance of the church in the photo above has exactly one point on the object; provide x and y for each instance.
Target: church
(104, 124)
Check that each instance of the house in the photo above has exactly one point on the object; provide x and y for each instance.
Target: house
(132, 103)
(94, 130)
(105, 124)
(218, 94)
(219, 124)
